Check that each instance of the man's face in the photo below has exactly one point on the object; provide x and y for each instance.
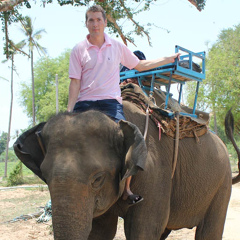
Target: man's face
(95, 23)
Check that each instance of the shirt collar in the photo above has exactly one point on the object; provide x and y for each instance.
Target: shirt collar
(108, 41)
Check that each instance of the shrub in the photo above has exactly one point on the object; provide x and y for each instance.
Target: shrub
(16, 176)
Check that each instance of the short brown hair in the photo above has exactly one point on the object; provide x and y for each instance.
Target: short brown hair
(96, 8)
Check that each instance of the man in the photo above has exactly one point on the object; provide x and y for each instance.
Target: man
(94, 73)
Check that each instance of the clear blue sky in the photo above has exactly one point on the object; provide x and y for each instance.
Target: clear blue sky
(177, 21)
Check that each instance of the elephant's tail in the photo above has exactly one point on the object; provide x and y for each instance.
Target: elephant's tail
(229, 129)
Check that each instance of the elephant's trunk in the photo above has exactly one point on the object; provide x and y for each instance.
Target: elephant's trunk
(72, 208)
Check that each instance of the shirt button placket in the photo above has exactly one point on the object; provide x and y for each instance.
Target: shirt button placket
(100, 56)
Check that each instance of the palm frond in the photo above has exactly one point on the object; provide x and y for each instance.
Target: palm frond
(40, 49)
(3, 77)
(32, 37)
(39, 32)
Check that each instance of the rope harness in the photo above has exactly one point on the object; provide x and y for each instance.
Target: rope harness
(40, 142)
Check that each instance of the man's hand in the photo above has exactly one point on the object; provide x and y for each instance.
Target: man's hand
(144, 65)
(173, 57)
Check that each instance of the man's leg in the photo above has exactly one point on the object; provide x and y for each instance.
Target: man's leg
(128, 194)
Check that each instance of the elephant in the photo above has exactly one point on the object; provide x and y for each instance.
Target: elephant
(86, 157)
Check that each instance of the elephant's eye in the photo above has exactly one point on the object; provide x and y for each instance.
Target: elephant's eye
(98, 180)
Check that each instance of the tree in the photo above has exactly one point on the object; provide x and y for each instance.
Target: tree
(10, 49)
(45, 71)
(9, 4)
(115, 10)
(31, 40)
(13, 49)
(3, 142)
(221, 89)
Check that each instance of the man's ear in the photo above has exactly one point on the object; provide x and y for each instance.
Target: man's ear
(135, 148)
(29, 151)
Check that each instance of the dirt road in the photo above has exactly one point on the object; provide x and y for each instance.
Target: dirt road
(14, 203)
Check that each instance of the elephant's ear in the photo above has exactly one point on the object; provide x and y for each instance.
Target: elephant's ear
(136, 150)
(28, 150)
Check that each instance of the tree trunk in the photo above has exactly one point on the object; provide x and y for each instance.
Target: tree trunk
(33, 91)
(215, 123)
(10, 120)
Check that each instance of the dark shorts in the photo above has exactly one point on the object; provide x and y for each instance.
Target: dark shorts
(110, 107)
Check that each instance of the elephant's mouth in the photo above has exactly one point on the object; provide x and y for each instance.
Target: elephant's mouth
(102, 206)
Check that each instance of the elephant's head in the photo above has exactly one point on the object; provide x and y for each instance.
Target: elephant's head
(87, 158)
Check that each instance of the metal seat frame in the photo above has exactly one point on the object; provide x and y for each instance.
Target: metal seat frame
(169, 74)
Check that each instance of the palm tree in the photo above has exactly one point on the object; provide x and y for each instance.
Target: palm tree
(12, 50)
(31, 41)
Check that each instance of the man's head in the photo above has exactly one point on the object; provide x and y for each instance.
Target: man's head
(96, 21)
(96, 8)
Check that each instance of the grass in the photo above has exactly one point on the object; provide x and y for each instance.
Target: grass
(233, 156)
(28, 176)
(17, 202)
(11, 166)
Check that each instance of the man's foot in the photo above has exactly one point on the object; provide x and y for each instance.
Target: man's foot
(134, 199)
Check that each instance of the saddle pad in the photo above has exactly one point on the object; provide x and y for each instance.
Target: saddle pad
(188, 126)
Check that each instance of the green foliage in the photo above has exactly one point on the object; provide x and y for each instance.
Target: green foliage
(11, 156)
(224, 72)
(16, 176)
(11, 165)
(7, 18)
(233, 155)
(3, 142)
(45, 87)
(221, 89)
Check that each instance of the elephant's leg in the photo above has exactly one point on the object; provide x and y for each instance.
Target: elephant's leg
(144, 226)
(149, 218)
(104, 227)
(211, 227)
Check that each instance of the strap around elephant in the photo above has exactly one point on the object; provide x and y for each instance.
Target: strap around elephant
(40, 141)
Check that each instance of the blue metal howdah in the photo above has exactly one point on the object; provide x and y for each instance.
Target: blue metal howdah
(169, 74)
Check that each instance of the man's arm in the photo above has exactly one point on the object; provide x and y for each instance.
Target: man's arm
(74, 88)
(144, 65)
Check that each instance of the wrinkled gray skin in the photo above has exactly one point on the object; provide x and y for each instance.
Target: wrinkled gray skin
(88, 156)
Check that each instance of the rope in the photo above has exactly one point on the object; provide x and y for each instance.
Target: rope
(40, 141)
(146, 123)
(151, 98)
(176, 145)
(47, 213)
(44, 215)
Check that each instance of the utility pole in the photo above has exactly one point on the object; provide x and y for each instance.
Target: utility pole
(10, 120)
(56, 78)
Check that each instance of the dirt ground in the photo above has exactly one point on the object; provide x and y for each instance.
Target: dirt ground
(17, 202)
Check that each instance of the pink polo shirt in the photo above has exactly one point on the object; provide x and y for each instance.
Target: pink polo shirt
(98, 69)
